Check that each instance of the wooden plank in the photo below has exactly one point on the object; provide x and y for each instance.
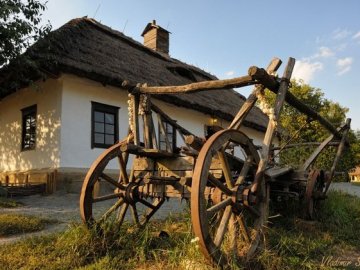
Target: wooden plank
(144, 152)
(277, 171)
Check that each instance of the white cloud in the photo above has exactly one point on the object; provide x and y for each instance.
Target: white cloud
(305, 70)
(356, 36)
(341, 33)
(230, 73)
(324, 52)
(344, 65)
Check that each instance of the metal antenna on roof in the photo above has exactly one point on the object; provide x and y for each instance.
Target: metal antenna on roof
(97, 9)
(167, 27)
(125, 26)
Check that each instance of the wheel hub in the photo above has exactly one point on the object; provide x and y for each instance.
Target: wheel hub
(131, 193)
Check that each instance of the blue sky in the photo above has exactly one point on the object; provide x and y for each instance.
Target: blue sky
(226, 37)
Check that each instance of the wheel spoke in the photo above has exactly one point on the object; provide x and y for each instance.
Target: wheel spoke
(112, 209)
(106, 197)
(225, 167)
(217, 207)
(244, 171)
(218, 184)
(220, 233)
(122, 163)
(233, 233)
(156, 205)
(109, 179)
(121, 214)
(134, 214)
(244, 229)
(146, 203)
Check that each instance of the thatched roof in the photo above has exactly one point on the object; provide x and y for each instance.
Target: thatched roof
(86, 48)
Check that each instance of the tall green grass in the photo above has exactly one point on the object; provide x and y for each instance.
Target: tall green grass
(292, 243)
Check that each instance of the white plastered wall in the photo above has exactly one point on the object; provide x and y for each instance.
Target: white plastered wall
(47, 97)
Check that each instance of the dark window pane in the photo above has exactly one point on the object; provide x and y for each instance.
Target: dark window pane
(109, 139)
(99, 127)
(170, 137)
(99, 116)
(162, 146)
(109, 129)
(99, 138)
(109, 118)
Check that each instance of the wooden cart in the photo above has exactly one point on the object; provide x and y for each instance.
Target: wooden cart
(227, 178)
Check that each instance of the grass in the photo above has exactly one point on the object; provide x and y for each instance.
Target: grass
(9, 203)
(355, 183)
(293, 244)
(11, 224)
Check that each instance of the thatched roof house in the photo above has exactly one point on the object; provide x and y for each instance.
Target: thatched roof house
(54, 125)
(87, 48)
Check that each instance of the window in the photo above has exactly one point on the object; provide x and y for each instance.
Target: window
(170, 134)
(28, 138)
(104, 126)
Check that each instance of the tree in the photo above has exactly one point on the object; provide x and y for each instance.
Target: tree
(298, 128)
(20, 26)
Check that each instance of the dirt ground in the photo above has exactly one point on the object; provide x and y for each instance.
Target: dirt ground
(64, 207)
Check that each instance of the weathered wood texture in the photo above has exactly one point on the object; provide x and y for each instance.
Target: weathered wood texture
(272, 84)
(251, 100)
(193, 87)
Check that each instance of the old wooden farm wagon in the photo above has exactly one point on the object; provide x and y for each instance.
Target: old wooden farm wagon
(228, 180)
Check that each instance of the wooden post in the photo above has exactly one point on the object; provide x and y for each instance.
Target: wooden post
(147, 124)
(280, 98)
(136, 100)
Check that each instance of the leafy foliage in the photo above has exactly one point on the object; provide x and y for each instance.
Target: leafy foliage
(20, 26)
(299, 128)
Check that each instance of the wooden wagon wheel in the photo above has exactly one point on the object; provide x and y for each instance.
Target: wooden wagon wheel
(314, 193)
(109, 192)
(227, 219)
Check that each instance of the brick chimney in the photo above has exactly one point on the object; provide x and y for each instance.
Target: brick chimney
(156, 37)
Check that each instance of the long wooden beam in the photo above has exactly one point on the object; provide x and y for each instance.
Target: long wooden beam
(192, 87)
(255, 76)
(272, 84)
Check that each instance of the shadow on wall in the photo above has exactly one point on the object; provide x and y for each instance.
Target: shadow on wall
(47, 151)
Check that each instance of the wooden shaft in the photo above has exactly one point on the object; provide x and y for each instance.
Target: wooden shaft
(251, 100)
(195, 142)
